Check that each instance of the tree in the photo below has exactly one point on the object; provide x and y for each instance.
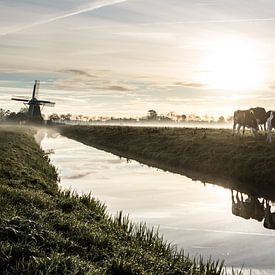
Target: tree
(54, 116)
(194, 117)
(229, 119)
(4, 114)
(197, 118)
(212, 119)
(164, 118)
(152, 115)
(221, 119)
(24, 110)
(12, 116)
(66, 117)
(183, 117)
(205, 118)
(172, 115)
(21, 116)
(79, 117)
(191, 117)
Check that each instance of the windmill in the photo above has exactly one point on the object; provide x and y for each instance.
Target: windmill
(35, 105)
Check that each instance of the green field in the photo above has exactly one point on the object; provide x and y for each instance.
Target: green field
(47, 231)
(243, 163)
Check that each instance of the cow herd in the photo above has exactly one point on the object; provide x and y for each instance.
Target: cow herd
(255, 119)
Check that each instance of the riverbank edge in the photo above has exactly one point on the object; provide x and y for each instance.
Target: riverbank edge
(212, 156)
(47, 231)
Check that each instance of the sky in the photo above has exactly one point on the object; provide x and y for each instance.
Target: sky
(125, 57)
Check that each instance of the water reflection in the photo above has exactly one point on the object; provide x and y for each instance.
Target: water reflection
(251, 207)
(194, 216)
(244, 205)
(269, 220)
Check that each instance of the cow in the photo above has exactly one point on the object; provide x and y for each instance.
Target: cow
(238, 206)
(260, 115)
(249, 208)
(245, 118)
(270, 124)
(269, 220)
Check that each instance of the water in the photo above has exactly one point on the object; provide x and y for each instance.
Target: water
(194, 216)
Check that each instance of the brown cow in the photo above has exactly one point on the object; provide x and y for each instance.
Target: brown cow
(245, 118)
(260, 115)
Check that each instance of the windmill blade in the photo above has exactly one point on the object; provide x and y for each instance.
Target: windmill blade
(20, 99)
(46, 103)
(35, 91)
(50, 104)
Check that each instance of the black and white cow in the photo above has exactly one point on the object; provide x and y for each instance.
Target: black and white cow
(245, 118)
(269, 220)
(270, 123)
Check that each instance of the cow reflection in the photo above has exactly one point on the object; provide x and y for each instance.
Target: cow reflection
(250, 208)
(269, 219)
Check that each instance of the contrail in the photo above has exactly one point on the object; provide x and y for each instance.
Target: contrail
(97, 5)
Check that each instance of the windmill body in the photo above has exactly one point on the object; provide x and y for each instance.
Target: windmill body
(35, 105)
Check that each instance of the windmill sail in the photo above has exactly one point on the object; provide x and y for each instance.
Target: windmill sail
(20, 99)
(47, 103)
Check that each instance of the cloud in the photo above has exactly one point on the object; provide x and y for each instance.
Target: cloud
(190, 85)
(83, 80)
(78, 72)
(119, 88)
(76, 79)
(96, 5)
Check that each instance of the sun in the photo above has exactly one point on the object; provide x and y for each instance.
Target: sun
(232, 64)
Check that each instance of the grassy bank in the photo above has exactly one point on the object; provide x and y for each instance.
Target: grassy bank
(46, 231)
(210, 155)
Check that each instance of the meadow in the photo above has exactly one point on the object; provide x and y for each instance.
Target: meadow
(238, 162)
(44, 230)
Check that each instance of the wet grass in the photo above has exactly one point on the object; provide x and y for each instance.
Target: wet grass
(210, 155)
(47, 231)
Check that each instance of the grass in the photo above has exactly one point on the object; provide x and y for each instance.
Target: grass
(210, 155)
(47, 231)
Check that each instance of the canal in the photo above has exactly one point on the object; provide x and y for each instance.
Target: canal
(192, 215)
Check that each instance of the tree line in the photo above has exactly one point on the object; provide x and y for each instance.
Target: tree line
(151, 116)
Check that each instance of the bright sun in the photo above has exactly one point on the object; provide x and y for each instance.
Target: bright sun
(233, 64)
